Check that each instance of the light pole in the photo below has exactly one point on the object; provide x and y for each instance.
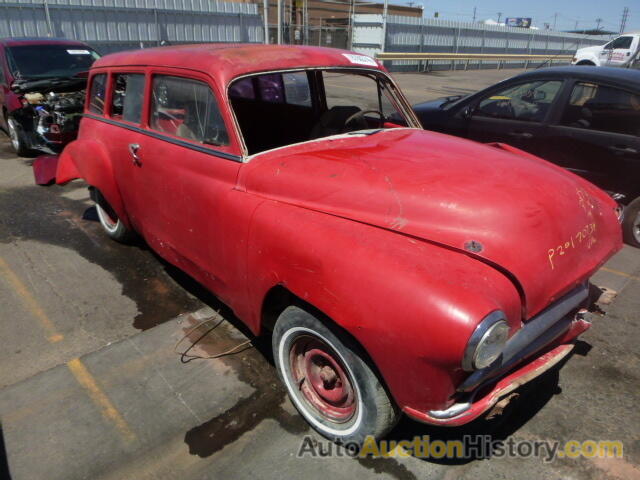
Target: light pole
(385, 9)
(265, 14)
(279, 4)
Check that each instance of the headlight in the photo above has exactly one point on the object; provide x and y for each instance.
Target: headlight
(486, 342)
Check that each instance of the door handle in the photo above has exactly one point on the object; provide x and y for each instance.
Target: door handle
(521, 134)
(133, 150)
(623, 149)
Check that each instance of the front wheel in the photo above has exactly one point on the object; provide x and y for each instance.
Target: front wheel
(631, 224)
(110, 222)
(329, 380)
(17, 137)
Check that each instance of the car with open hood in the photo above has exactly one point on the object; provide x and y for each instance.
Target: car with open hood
(397, 270)
(42, 90)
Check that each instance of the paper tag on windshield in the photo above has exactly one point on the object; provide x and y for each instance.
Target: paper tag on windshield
(78, 52)
(360, 59)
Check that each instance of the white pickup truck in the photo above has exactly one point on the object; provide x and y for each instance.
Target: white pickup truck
(623, 51)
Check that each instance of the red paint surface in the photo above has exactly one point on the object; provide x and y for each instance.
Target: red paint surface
(44, 169)
(371, 230)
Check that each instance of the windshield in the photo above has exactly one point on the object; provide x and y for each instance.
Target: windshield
(45, 61)
(282, 108)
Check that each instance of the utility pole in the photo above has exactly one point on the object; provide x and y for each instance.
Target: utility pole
(576, 27)
(623, 22)
(555, 20)
(265, 14)
(385, 9)
(598, 22)
(279, 6)
(474, 14)
(499, 16)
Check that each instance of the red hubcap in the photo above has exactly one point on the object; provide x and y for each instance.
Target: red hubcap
(322, 379)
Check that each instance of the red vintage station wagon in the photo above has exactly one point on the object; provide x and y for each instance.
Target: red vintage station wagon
(398, 270)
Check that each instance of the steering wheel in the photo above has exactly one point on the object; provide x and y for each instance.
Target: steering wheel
(359, 116)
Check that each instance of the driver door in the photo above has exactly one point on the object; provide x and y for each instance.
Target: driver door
(515, 115)
(618, 52)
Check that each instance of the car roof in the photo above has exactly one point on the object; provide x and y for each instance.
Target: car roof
(624, 76)
(228, 61)
(17, 41)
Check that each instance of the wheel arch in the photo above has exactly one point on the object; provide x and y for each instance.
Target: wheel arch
(89, 160)
(279, 298)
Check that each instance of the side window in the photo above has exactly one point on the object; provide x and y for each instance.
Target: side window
(96, 94)
(527, 102)
(187, 109)
(620, 42)
(296, 88)
(128, 95)
(598, 107)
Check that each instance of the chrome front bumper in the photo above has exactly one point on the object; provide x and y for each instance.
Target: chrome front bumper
(536, 334)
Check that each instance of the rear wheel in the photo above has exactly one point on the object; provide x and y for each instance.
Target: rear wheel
(329, 380)
(631, 224)
(17, 137)
(110, 222)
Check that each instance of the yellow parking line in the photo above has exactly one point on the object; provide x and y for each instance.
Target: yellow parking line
(78, 370)
(30, 302)
(618, 272)
(85, 379)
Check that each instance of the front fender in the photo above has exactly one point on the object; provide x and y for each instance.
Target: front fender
(89, 160)
(412, 305)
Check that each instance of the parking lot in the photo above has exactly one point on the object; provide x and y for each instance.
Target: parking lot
(103, 368)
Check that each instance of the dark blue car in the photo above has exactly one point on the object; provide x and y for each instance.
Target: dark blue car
(586, 119)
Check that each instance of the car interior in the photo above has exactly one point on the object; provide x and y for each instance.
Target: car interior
(278, 109)
(529, 101)
(599, 107)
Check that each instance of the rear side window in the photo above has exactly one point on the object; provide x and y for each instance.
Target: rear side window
(96, 94)
(128, 94)
(187, 109)
(607, 109)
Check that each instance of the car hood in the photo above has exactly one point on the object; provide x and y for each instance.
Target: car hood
(437, 103)
(544, 227)
(594, 49)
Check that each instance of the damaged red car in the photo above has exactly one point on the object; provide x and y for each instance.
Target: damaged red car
(42, 90)
(397, 270)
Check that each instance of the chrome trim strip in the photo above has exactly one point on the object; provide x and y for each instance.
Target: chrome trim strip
(160, 136)
(453, 411)
(482, 328)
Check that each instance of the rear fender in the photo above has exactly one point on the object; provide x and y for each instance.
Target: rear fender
(88, 160)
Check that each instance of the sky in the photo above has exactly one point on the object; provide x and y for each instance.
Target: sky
(585, 12)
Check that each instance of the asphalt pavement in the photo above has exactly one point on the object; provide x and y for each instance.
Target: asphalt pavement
(106, 368)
